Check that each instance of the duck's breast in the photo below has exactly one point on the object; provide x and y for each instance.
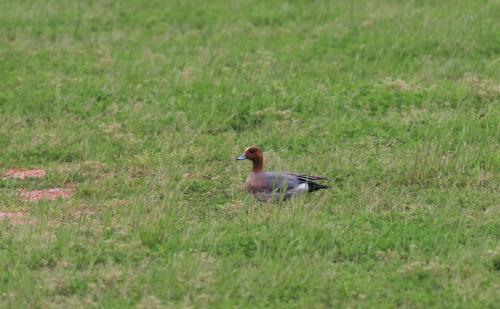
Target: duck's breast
(255, 183)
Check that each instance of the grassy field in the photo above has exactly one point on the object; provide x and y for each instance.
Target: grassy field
(141, 106)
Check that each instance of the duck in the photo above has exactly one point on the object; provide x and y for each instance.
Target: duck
(276, 186)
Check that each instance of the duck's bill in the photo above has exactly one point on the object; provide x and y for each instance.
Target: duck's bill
(242, 157)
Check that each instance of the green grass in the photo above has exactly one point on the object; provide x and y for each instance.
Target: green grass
(143, 105)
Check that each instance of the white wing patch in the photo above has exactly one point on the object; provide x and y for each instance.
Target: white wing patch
(302, 188)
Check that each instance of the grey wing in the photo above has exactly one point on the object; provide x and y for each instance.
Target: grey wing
(281, 181)
(305, 178)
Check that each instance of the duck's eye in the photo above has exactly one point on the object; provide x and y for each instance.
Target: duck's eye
(251, 150)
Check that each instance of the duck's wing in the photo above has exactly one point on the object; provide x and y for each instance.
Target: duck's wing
(290, 182)
(274, 182)
(271, 186)
(305, 178)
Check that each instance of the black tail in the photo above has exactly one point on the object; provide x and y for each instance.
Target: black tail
(312, 186)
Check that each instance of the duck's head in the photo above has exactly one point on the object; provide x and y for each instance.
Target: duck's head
(252, 153)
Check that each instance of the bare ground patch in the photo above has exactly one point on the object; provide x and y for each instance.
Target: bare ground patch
(15, 217)
(14, 173)
(45, 194)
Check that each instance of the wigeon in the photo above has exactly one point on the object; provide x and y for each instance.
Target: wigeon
(275, 186)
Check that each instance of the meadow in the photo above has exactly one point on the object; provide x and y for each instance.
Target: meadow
(142, 106)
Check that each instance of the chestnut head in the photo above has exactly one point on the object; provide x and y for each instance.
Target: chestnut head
(252, 153)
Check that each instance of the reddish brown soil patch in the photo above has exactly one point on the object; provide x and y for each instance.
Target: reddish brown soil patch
(21, 174)
(46, 194)
(15, 217)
